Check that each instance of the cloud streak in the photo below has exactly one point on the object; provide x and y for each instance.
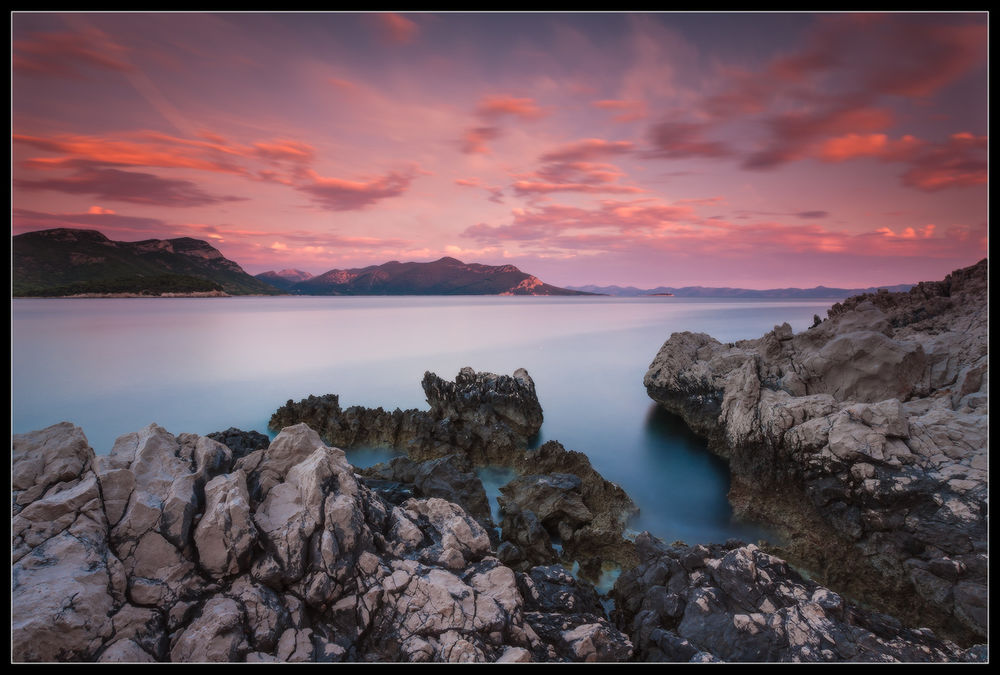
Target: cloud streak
(337, 194)
(128, 186)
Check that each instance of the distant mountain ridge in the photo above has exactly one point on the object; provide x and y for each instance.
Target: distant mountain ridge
(284, 279)
(726, 292)
(446, 276)
(64, 258)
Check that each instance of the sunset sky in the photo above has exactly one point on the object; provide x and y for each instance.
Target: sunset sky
(751, 150)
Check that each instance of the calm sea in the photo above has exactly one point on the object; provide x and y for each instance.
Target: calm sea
(112, 366)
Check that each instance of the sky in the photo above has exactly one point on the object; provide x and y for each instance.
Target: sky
(756, 150)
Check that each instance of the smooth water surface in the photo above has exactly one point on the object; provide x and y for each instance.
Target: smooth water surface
(199, 365)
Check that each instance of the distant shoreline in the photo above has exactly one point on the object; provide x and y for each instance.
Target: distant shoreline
(196, 294)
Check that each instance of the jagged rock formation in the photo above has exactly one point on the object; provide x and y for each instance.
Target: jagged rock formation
(169, 550)
(241, 442)
(486, 419)
(735, 602)
(864, 438)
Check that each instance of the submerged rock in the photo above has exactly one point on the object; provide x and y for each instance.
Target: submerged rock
(168, 549)
(737, 603)
(863, 439)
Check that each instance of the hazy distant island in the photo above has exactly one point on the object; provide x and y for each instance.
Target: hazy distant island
(727, 292)
(446, 276)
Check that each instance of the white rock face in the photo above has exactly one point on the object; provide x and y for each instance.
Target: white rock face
(167, 550)
(226, 533)
(65, 581)
(881, 412)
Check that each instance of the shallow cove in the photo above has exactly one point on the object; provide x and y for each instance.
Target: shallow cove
(112, 366)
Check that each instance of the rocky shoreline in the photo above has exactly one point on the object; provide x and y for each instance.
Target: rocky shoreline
(863, 439)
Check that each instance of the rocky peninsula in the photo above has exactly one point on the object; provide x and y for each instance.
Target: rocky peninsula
(863, 439)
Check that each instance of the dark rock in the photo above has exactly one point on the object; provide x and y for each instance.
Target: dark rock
(742, 604)
(526, 540)
(241, 442)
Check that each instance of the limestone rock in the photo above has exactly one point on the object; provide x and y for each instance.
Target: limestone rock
(225, 535)
(317, 568)
(862, 439)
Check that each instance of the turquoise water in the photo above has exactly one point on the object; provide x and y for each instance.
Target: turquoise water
(112, 366)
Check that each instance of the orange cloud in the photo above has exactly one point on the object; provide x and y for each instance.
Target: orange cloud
(337, 194)
(586, 149)
(850, 146)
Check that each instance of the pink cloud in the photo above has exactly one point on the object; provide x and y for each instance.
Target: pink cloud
(337, 194)
(474, 140)
(850, 146)
(587, 149)
(680, 140)
(793, 134)
(529, 187)
(501, 105)
(24, 220)
(287, 150)
(63, 54)
(643, 226)
(397, 28)
(496, 193)
(127, 186)
(960, 161)
(628, 111)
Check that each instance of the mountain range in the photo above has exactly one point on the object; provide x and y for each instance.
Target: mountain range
(67, 261)
(725, 292)
(446, 276)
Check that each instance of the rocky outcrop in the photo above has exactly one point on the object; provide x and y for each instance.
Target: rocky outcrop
(863, 439)
(169, 549)
(485, 416)
(450, 478)
(480, 419)
(735, 602)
